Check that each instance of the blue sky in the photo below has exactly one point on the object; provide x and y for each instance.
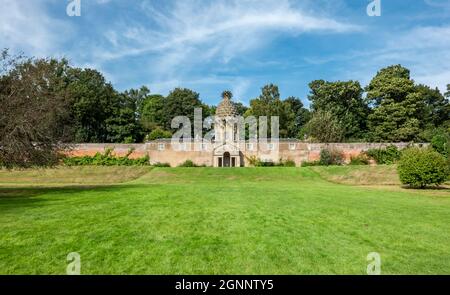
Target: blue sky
(211, 45)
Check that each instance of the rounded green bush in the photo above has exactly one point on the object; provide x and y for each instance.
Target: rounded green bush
(420, 167)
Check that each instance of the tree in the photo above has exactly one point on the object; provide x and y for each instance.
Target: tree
(152, 112)
(344, 101)
(269, 104)
(437, 107)
(397, 106)
(301, 116)
(137, 97)
(240, 108)
(95, 102)
(123, 125)
(33, 110)
(324, 127)
(180, 102)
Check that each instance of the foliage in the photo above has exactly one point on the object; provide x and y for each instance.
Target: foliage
(158, 133)
(361, 159)
(441, 142)
(419, 167)
(187, 164)
(180, 102)
(87, 108)
(288, 163)
(34, 116)
(331, 157)
(323, 127)
(161, 165)
(385, 156)
(397, 106)
(94, 103)
(343, 100)
(256, 162)
(265, 164)
(301, 116)
(269, 104)
(152, 112)
(240, 108)
(106, 159)
(437, 108)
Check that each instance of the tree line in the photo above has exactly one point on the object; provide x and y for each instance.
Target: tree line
(46, 101)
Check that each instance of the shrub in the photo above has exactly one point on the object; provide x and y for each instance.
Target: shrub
(361, 159)
(331, 157)
(187, 163)
(388, 156)
(441, 143)
(106, 159)
(253, 161)
(422, 167)
(260, 163)
(310, 164)
(161, 165)
(288, 163)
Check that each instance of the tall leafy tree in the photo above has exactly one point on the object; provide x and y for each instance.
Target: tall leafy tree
(302, 116)
(152, 112)
(269, 104)
(124, 125)
(95, 101)
(136, 97)
(397, 105)
(436, 107)
(180, 102)
(344, 101)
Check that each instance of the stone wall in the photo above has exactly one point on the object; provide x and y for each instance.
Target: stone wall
(161, 151)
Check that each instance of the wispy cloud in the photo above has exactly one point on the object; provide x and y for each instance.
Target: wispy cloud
(191, 33)
(26, 26)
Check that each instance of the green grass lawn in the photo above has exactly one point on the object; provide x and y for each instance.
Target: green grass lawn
(126, 220)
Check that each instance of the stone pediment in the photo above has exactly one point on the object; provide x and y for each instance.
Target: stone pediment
(232, 148)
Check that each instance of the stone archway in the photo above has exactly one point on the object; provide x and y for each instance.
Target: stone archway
(226, 159)
(227, 155)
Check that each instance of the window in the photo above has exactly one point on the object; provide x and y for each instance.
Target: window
(161, 146)
(204, 147)
(292, 146)
(270, 146)
(250, 146)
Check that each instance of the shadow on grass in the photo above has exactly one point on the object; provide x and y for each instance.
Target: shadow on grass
(29, 196)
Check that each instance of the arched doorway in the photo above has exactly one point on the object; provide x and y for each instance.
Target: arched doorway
(226, 159)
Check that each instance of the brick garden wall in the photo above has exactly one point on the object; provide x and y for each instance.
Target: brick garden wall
(303, 151)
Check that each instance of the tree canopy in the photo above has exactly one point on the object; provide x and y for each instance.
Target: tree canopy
(46, 102)
(343, 100)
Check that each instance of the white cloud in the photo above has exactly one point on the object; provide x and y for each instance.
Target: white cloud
(225, 28)
(25, 26)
